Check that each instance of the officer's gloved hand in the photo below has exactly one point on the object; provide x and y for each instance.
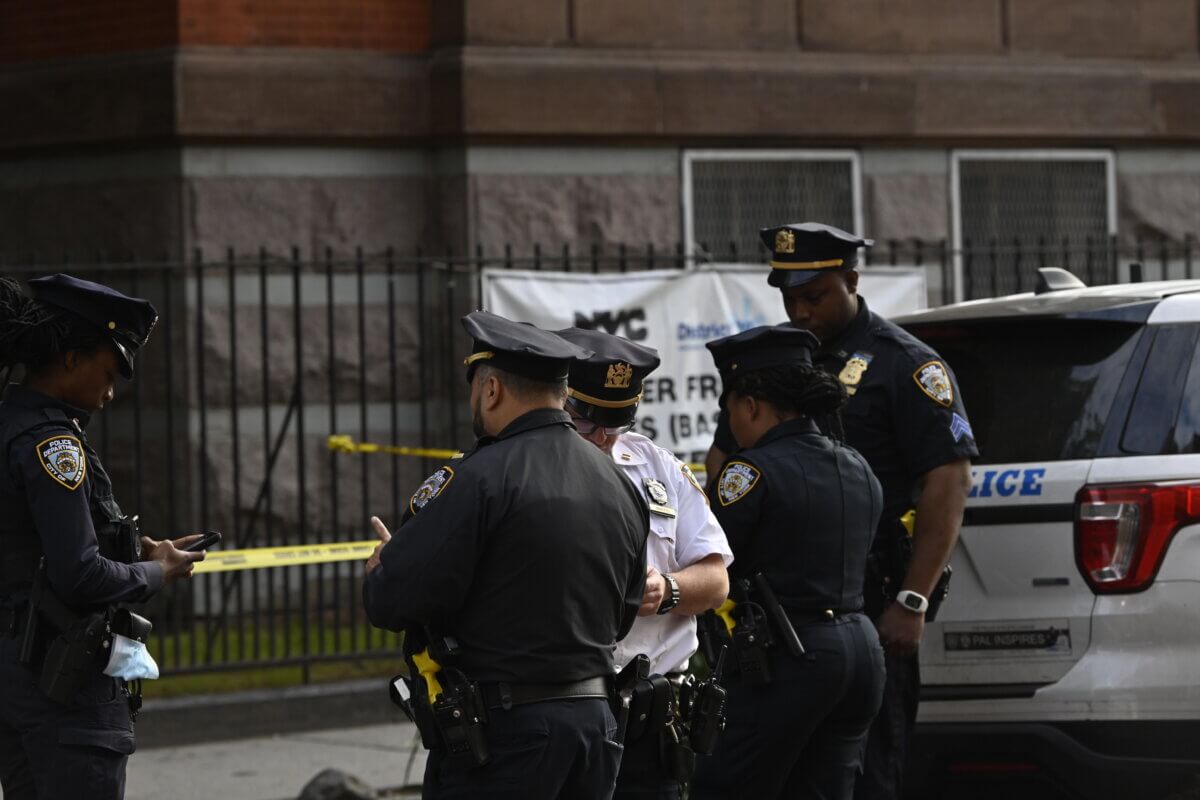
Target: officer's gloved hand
(176, 562)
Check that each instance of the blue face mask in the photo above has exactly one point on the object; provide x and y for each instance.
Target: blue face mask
(130, 660)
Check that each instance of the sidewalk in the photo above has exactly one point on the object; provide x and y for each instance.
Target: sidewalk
(385, 757)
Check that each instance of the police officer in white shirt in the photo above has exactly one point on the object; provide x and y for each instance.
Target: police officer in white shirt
(687, 553)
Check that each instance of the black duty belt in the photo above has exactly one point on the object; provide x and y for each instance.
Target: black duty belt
(808, 617)
(506, 695)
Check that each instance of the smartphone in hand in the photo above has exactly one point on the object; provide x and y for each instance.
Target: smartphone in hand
(209, 539)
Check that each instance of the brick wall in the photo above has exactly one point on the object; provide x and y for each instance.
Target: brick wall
(42, 31)
(387, 25)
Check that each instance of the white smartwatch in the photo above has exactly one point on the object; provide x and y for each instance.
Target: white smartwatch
(912, 601)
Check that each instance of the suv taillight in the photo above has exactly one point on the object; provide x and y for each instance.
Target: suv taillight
(1122, 532)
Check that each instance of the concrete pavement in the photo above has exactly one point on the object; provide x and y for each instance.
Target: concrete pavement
(386, 757)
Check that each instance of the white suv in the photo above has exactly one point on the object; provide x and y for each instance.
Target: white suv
(1066, 660)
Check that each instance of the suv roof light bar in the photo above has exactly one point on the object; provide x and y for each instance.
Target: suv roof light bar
(1056, 279)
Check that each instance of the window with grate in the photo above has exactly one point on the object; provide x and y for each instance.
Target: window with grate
(730, 195)
(1016, 212)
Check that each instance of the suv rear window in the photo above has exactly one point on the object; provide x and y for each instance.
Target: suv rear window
(1035, 390)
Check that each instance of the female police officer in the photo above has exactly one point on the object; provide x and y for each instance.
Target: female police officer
(65, 727)
(800, 510)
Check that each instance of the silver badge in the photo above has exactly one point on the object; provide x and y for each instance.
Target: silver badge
(434, 485)
(62, 457)
(660, 501)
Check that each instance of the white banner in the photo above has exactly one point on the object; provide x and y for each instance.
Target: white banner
(676, 312)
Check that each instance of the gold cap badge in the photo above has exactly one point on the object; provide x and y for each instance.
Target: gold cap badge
(619, 376)
(785, 242)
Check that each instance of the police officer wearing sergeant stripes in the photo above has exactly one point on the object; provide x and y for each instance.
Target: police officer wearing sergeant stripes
(906, 416)
(800, 510)
(65, 726)
(530, 552)
(687, 551)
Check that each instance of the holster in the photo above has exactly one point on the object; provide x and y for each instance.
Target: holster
(939, 593)
(447, 707)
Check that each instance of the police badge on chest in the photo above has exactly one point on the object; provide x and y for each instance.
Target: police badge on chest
(660, 501)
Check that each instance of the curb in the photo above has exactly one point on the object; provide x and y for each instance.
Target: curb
(179, 721)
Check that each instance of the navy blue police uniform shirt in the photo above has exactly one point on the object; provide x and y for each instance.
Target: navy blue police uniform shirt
(530, 550)
(905, 413)
(51, 484)
(802, 509)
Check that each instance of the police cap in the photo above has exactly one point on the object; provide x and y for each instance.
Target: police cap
(606, 387)
(518, 347)
(760, 348)
(127, 320)
(801, 252)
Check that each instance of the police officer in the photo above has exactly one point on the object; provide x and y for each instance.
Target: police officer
(687, 551)
(906, 416)
(529, 555)
(800, 510)
(65, 727)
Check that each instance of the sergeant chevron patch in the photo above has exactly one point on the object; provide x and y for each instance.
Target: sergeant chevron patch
(434, 485)
(737, 479)
(62, 457)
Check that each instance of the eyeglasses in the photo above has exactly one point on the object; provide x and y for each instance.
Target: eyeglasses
(586, 427)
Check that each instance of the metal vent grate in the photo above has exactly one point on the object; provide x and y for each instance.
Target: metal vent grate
(732, 198)
(1016, 215)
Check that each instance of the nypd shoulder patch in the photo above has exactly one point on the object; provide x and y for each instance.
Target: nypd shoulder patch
(934, 381)
(63, 459)
(737, 479)
(434, 485)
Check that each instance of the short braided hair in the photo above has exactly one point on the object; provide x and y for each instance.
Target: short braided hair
(35, 334)
(799, 389)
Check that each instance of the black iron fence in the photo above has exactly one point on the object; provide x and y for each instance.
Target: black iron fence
(259, 358)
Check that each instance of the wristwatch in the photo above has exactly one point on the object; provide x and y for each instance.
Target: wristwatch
(916, 603)
(672, 599)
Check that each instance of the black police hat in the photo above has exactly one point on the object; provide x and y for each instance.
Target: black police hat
(761, 347)
(801, 252)
(607, 386)
(127, 320)
(518, 347)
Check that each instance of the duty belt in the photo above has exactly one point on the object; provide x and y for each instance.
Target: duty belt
(506, 695)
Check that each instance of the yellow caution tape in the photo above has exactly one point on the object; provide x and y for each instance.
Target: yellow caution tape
(294, 556)
(346, 444)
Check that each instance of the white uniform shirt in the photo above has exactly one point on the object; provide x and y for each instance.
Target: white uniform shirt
(675, 542)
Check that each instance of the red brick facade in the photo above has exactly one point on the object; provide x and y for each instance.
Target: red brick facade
(43, 31)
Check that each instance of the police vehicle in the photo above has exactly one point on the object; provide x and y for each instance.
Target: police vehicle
(1066, 659)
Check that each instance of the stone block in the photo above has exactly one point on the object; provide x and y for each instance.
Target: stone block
(333, 784)
(577, 210)
(541, 23)
(1152, 29)
(686, 24)
(81, 221)
(916, 27)
(1156, 206)
(1035, 100)
(556, 93)
(907, 207)
(795, 97)
(97, 99)
(307, 93)
(312, 213)
(1175, 114)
